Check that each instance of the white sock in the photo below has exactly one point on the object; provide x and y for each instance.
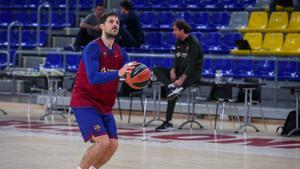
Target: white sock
(78, 167)
(92, 167)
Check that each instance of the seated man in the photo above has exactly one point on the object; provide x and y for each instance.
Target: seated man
(186, 70)
(89, 28)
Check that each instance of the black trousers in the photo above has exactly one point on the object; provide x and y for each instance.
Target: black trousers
(82, 38)
(163, 75)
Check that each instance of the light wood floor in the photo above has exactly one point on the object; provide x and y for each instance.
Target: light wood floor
(57, 145)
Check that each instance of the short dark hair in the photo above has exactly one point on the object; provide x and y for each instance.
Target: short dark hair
(105, 15)
(126, 4)
(99, 4)
(181, 24)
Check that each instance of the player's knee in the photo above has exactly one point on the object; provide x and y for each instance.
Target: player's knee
(102, 142)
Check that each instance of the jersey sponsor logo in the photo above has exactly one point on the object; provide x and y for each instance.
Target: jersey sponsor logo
(97, 127)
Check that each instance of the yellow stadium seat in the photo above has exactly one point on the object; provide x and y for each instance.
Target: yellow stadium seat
(294, 24)
(255, 42)
(278, 22)
(291, 45)
(257, 22)
(272, 43)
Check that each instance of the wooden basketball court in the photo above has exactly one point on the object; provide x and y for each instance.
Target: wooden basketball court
(55, 144)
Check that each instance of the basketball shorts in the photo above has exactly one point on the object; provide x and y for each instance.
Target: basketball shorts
(92, 123)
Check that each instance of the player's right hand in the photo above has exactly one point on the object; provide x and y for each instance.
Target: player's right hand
(127, 68)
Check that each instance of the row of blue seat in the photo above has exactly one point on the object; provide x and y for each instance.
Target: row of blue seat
(22, 4)
(198, 20)
(29, 19)
(236, 68)
(194, 4)
(29, 39)
(212, 42)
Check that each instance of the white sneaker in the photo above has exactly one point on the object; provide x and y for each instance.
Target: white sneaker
(175, 93)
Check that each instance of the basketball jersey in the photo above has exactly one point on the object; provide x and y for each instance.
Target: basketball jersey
(100, 96)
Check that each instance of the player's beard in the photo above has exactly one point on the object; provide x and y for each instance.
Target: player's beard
(110, 34)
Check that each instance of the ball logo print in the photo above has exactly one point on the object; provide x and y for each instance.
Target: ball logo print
(139, 76)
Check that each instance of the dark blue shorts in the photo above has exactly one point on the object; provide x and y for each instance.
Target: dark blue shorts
(92, 123)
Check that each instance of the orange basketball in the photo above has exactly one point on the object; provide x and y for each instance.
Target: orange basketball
(139, 76)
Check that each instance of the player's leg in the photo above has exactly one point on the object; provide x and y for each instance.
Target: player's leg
(111, 129)
(92, 129)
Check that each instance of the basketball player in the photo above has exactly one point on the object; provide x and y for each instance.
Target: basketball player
(94, 93)
(187, 68)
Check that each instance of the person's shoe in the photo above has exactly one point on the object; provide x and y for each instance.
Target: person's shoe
(174, 92)
(166, 126)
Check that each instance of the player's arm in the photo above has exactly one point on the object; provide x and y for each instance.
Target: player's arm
(86, 24)
(91, 61)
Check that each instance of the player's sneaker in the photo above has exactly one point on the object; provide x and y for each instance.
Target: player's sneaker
(166, 126)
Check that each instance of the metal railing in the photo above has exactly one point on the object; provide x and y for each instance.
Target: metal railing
(14, 23)
(38, 32)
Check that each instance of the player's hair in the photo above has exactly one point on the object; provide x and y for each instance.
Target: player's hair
(105, 15)
(181, 24)
(126, 4)
(99, 4)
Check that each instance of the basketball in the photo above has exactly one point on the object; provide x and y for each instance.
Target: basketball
(139, 76)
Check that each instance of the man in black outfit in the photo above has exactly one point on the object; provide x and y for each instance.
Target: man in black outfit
(131, 34)
(187, 68)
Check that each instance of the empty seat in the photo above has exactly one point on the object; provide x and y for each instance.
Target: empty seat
(200, 20)
(72, 63)
(219, 20)
(54, 61)
(272, 43)
(211, 42)
(229, 4)
(287, 70)
(238, 20)
(257, 22)
(207, 69)
(5, 18)
(198, 35)
(209, 4)
(165, 19)
(254, 40)
(291, 45)
(193, 3)
(228, 41)
(169, 41)
(294, 23)
(278, 22)
(148, 19)
(247, 3)
(243, 68)
(173, 4)
(264, 69)
(59, 19)
(225, 65)
(153, 41)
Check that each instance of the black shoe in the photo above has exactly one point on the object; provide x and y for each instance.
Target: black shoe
(166, 126)
(174, 92)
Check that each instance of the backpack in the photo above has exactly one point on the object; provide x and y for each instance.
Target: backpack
(289, 124)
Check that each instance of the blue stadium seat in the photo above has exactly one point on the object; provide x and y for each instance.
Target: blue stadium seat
(3, 59)
(210, 4)
(148, 19)
(165, 19)
(229, 4)
(200, 20)
(169, 41)
(243, 68)
(264, 69)
(153, 41)
(3, 38)
(207, 71)
(33, 3)
(226, 65)
(18, 4)
(140, 4)
(155, 4)
(198, 35)
(219, 20)
(193, 3)
(4, 4)
(173, 4)
(5, 18)
(228, 41)
(54, 61)
(211, 42)
(287, 70)
(246, 3)
(72, 63)
(59, 19)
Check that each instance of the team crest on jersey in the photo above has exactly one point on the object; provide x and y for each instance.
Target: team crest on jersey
(97, 127)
